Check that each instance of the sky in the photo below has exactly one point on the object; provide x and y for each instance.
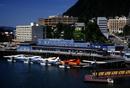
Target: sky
(20, 12)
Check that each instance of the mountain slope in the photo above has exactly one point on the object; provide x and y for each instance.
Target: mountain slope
(86, 9)
(6, 29)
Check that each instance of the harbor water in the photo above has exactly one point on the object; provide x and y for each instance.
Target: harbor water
(20, 75)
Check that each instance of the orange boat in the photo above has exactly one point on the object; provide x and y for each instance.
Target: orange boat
(71, 62)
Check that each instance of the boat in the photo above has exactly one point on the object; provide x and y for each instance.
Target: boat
(35, 59)
(92, 79)
(92, 62)
(53, 60)
(126, 56)
(20, 58)
(69, 63)
(16, 58)
(103, 72)
(9, 58)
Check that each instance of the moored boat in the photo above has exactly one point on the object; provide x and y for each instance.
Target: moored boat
(35, 59)
(16, 58)
(20, 58)
(51, 60)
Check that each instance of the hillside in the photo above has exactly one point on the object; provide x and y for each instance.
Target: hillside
(6, 37)
(86, 9)
(6, 29)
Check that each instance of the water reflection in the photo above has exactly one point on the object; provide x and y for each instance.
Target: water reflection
(18, 75)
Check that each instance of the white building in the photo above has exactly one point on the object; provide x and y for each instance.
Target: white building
(29, 33)
(79, 26)
(102, 23)
(116, 25)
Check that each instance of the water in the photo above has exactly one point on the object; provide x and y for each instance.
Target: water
(19, 75)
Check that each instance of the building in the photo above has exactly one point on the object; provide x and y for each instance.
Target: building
(29, 33)
(102, 23)
(79, 26)
(116, 25)
(62, 43)
(54, 20)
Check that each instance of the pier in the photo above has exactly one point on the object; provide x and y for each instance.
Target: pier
(57, 53)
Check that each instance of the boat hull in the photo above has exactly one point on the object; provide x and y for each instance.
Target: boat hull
(91, 79)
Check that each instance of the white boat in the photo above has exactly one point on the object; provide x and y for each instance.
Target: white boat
(9, 58)
(50, 61)
(35, 59)
(126, 56)
(20, 58)
(16, 58)
(53, 60)
(92, 62)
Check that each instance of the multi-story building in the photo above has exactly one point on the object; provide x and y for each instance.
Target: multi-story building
(79, 26)
(54, 20)
(116, 25)
(29, 33)
(102, 23)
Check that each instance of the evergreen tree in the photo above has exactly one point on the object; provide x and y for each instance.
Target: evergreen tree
(68, 31)
(49, 32)
(93, 33)
(58, 30)
(126, 30)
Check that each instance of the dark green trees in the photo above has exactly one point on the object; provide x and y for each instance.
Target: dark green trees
(93, 33)
(60, 31)
(126, 30)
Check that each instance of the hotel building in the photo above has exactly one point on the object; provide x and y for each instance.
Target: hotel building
(29, 33)
(116, 25)
(102, 23)
(54, 20)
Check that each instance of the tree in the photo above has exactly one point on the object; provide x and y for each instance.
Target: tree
(126, 30)
(68, 31)
(58, 30)
(78, 35)
(63, 31)
(93, 33)
(49, 32)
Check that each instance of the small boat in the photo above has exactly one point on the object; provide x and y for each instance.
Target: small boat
(126, 56)
(9, 58)
(35, 59)
(20, 58)
(53, 60)
(16, 58)
(72, 62)
(91, 78)
(92, 62)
